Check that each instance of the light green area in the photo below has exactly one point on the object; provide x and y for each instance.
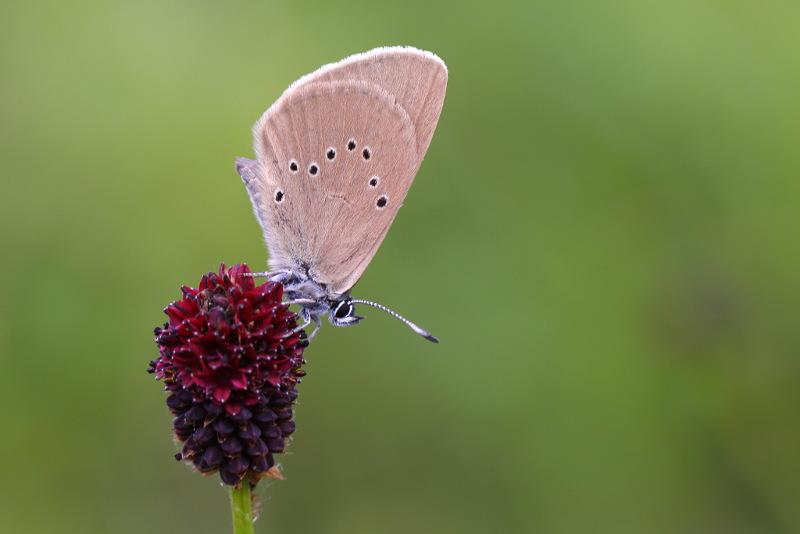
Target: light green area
(604, 235)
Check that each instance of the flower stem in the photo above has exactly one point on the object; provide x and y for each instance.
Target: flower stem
(242, 509)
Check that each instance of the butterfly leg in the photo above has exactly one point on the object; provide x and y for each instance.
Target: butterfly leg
(265, 274)
(318, 324)
(299, 302)
(310, 319)
(275, 276)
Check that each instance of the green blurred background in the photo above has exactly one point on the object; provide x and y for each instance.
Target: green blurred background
(603, 234)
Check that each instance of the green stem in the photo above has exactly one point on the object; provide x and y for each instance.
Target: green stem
(242, 509)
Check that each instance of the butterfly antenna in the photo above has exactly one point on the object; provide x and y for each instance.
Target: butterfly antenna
(424, 333)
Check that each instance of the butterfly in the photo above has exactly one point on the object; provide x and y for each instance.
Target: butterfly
(335, 157)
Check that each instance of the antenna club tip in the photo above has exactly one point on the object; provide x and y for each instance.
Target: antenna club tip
(424, 333)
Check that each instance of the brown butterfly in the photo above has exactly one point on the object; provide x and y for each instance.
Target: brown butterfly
(336, 155)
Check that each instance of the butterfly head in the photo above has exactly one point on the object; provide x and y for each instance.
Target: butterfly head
(315, 300)
(343, 312)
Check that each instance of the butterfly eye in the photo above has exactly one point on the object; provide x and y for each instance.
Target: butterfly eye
(382, 202)
(343, 309)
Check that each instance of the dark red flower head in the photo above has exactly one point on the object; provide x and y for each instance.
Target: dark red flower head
(230, 358)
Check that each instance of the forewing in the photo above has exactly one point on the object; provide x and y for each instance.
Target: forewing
(323, 216)
(336, 161)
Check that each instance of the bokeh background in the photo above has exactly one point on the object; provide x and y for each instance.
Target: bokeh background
(604, 235)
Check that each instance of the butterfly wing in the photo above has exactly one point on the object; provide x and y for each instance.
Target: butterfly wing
(415, 78)
(336, 156)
